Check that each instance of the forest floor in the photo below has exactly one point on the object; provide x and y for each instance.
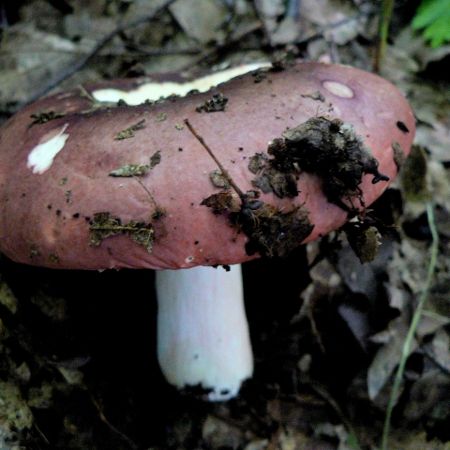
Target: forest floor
(78, 367)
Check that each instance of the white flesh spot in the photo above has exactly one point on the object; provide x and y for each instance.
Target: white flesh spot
(338, 89)
(156, 90)
(41, 157)
(203, 336)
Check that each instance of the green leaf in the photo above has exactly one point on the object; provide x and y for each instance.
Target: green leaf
(433, 16)
(439, 31)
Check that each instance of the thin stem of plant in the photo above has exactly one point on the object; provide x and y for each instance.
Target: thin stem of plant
(213, 156)
(383, 33)
(104, 419)
(413, 326)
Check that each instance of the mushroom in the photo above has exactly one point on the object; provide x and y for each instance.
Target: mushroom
(253, 167)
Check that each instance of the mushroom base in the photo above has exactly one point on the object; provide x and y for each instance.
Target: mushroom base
(203, 337)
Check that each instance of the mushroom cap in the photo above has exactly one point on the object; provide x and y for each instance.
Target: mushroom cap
(55, 176)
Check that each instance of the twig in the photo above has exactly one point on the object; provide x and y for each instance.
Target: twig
(137, 51)
(219, 164)
(383, 32)
(147, 191)
(413, 326)
(232, 42)
(133, 50)
(322, 392)
(103, 418)
(41, 433)
(315, 331)
(58, 79)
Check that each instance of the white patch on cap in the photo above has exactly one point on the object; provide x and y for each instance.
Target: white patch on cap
(41, 157)
(338, 89)
(154, 91)
(189, 260)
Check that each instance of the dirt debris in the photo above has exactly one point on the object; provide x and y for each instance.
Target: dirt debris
(331, 150)
(216, 103)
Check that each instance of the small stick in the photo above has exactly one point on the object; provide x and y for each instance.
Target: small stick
(115, 430)
(78, 65)
(219, 164)
(227, 45)
(150, 196)
(322, 392)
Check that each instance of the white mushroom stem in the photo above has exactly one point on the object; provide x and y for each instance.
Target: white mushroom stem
(203, 336)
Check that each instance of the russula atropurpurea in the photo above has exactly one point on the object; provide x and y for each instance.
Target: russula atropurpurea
(253, 167)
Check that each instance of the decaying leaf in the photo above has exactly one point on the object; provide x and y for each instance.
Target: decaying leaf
(30, 57)
(7, 297)
(14, 412)
(104, 226)
(220, 434)
(271, 231)
(364, 240)
(130, 170)
(388, 356)
(218, 179)
(155, 159)
(137, 170)
(317, 95)
(221, 202)
(161, 117)
(45, 116)
(129, 132)
(414, 175)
